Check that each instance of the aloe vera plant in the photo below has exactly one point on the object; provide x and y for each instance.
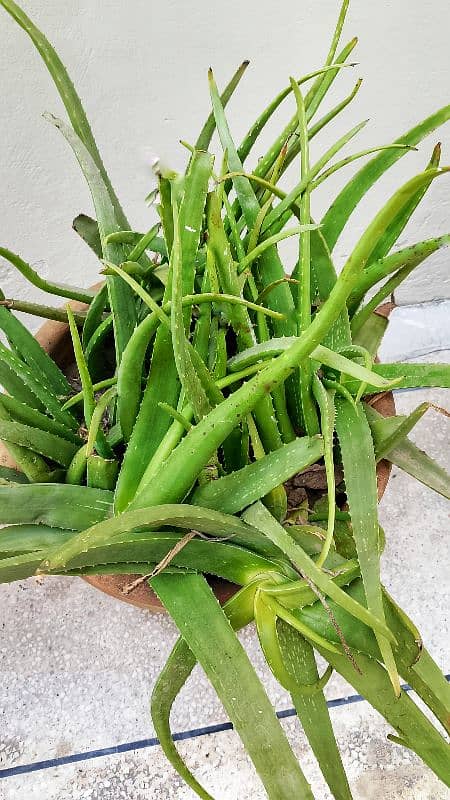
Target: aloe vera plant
(209, 377)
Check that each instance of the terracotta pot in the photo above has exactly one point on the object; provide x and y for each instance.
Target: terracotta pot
(54, 337)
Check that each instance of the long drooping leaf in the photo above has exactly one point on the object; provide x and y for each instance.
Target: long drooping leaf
(234, 492)
(312, 709)
(120, 296)
(191, 603)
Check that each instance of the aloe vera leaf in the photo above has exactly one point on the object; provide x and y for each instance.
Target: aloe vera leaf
(46, 444)
(277, 218)
(152, 422)
(59, 289)
(18, 539)
(94, 316)
(423, 468)
(222, 559)
(189, 378)
(358, 457)
(312, 101)
(371, 334)
(415, 664)
(190, 456)
(294, 595)
(321, 354)
(133, 238)
(96, 437)
(315, 94)
(386, 440)
(40, 310)
(260, 518)
(20, 412)
(186, 516)
(386, 290)
(408, 457)
(372, 682)
(339, 212)
(260, 123)
(206, 134)
(312, 710)
(410, 256)
(34, 382)
(409, 376)
(307, 411)
(325, 401)
(141, 246)
(129, 375)
(171, 680)
(270, 265)
(399, 223)
(97, 345)
(87, 229)
(57, 505)
(11, 475)
(333, 113)
(67, 93)
(31, 352)
(34, 467)
(188, 598)
(13, 383)
(239, 316)
(234, 492)
(120, 296)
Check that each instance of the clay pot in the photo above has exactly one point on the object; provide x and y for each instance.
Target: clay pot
(54, 337)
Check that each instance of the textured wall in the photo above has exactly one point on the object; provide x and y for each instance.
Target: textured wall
(140, 68)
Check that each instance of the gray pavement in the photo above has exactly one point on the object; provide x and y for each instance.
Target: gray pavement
(77, 669)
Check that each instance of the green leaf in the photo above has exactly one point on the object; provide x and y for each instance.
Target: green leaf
(31, 352)
(120, 296)
(358, 459)
(407, 455)
(339, 212)
(312, 709)
(209, 635)
(57, 505)
(20, 412)
(206, 134)
(59, 289)
(87, 229)
(260, 518)
(409, 376)
(234, 492)
(46, 444)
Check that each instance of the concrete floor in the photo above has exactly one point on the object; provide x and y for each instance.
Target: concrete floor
(77, 669)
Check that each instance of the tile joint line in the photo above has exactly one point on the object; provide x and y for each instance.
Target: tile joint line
(126, 747)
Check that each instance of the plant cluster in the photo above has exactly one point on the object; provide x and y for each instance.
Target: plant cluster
(208, 379)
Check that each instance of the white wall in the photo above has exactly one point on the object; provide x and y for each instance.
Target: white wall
(140, 68)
